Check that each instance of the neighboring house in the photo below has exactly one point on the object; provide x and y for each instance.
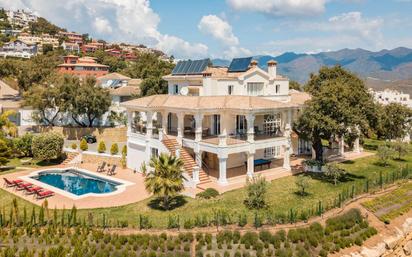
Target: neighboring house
(122, 88)
(92, 47)
(388, 96)
(44, 39)
(71, 37)
(82, 67)
(20, 18)
(18, 49)
(127, 55)
(71, 47)
(222, 121)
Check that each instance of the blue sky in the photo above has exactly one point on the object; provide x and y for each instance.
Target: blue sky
(230, 28)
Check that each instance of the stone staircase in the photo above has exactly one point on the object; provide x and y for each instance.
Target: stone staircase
(188, 162)
(70, 157)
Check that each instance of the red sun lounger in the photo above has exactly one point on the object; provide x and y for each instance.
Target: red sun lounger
(33, 190)
(44, 194)
(23, 186)
(12, 183)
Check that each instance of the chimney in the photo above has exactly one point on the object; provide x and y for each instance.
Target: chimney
(253, 63)
(272, 66)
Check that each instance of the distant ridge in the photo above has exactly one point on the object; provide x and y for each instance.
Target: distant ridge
(386, 65)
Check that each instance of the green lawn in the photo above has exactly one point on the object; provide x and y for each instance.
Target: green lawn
(281, 196)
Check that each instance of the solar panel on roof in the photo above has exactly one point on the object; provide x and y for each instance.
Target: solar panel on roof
(190, 67)
(239, 64)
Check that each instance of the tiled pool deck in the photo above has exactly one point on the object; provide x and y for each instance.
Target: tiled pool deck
(132, 193)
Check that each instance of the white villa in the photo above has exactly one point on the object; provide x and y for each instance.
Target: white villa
(388, 96)
(222, 122)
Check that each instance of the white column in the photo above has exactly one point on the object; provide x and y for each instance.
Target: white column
(250, 164)
(164, 122)
(222, 171)
(286, 153)
(149, 124)
(250, 120)
(356, 147)
(198, 158)
(199, 128)
(195, 174)
(342, 145)
(129, 121)
(180, 127)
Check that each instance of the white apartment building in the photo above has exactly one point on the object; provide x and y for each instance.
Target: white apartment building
(44, 39)
(222, 122)
(20, 18)
(388, 96)
(18, 49)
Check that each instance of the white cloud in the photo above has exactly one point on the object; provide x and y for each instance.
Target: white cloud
(219, 29)
(132, 21)
(280, 7)
(354, 22)
(235, 51)
(222, 31)
(102, 25)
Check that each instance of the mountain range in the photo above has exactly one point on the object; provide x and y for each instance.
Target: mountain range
(381, 69)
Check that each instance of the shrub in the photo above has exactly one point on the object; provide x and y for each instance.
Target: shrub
(102, 147)
(5, 152)
(47, 146)
(74, 146)
(83, 145)
(256, 191)
(23, 145)
(114, 149)
(384, 154)
(208, 193)
(302, 182)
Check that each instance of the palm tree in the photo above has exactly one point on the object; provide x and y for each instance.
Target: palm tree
(166, 179)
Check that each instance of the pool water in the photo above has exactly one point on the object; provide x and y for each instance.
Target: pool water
(76, 182)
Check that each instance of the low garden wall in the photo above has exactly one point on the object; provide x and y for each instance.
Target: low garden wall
(75, 133)
(91, 157)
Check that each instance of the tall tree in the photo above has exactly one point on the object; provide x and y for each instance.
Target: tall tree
(150, 68)
(394, 121)
(50, 100)
(166, 179)
(89, 101)
(340, 104)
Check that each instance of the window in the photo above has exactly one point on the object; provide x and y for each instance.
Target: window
(272, 152)
(216, 124)
(254, 88)
(241, 124)
(155, 152)
(271, 123)
(230, 90)
(176, 89)
(277, 89)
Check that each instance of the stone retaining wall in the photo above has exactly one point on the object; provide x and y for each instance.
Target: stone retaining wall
(89, 157)
(75, 133)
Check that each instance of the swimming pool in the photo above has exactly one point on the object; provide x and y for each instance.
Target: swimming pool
(76, 182)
